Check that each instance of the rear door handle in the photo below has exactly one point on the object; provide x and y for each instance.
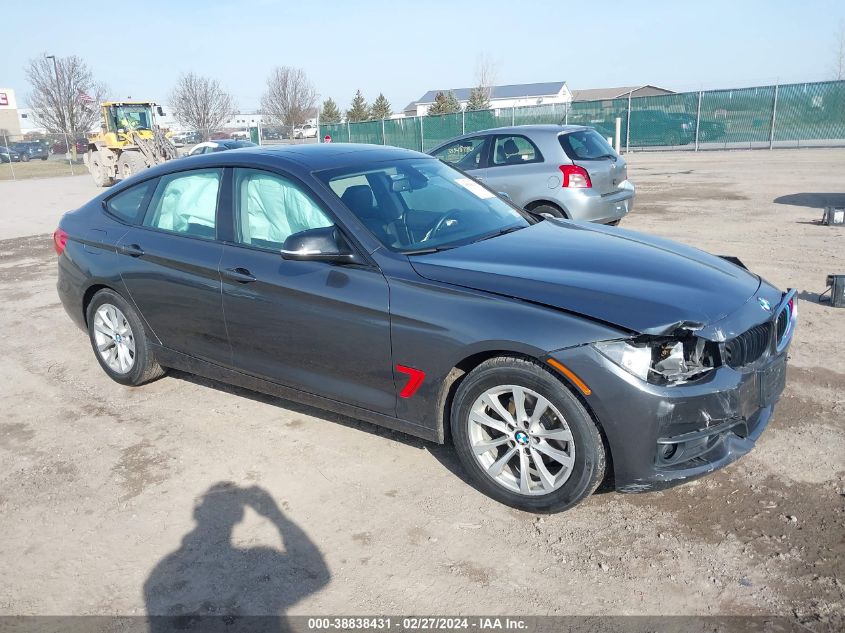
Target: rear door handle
(239, 274)
(133, 250)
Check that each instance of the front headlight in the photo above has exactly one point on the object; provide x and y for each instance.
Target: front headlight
(661, 360)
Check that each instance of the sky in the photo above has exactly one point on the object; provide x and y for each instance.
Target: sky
(404, 49)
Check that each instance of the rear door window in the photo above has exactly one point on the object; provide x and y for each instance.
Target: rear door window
(515, 150)
(186, 202)
(128, 205)
(586, 145)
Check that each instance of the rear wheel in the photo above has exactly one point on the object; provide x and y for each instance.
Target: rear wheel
(98, 170)
(24, 158)
(547, 209)
(119, 341)
(524, 438)
(130, 163)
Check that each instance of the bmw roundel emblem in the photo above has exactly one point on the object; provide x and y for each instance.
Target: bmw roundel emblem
(764, 304)
(522, 437)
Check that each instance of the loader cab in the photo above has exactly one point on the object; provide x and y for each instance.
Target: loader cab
(126, 117)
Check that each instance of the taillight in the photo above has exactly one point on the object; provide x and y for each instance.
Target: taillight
(59, 241)
(575, 177)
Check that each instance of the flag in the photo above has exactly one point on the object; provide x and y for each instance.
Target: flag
(85, 98)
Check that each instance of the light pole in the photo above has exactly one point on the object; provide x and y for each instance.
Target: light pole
(59, 102)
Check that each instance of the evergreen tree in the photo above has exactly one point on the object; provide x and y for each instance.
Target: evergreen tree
(452, 102)
(479, 99)
(444, 104)
(330, 112)
(359, 111)
(381, 108)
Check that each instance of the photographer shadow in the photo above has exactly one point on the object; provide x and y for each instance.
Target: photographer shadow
(209, 584)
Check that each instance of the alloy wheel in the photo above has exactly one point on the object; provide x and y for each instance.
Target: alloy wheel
(521, 440)
(114, 338)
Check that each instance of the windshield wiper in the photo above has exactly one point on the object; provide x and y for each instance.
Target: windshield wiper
(426, 251)
(504, 231)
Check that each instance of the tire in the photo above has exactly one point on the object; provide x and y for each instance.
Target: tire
(548, 210)
(130, 163)
(673, 138)
(138, 364)
(98, 171)
(24, 158)
(569, 485)
(43, 158)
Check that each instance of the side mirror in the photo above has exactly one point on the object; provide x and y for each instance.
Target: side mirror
(160, 111)
(504, 195)
(318, 245)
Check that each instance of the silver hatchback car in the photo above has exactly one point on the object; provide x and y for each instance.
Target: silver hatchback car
(562, 170)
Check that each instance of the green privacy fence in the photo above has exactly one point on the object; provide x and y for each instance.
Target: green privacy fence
(760, 116)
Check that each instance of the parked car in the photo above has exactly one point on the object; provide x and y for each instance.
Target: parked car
(8, 155)
(707, 130)
(31, 150)
(209, 147)
(560, 170)
(241, 135)
(306, 131)
(181, 139)
(385, 285)
(656, 127)
(61, 147)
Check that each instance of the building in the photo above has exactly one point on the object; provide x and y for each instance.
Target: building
(608, 94)
(10, 123)
(509, 96)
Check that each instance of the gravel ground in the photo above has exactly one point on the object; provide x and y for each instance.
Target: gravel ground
(126, 501)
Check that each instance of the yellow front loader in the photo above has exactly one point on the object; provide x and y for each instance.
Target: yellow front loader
(128, 142)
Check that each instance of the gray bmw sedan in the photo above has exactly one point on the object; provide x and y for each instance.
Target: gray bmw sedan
(385, 285)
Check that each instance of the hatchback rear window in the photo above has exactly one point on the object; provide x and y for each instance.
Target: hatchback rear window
(586, 145)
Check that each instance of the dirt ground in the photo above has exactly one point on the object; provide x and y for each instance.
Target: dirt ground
(116, 500)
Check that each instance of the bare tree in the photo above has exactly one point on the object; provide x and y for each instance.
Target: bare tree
(485, 78)
(838, 70)
(64, 98)
(290, 96)
(201, 103)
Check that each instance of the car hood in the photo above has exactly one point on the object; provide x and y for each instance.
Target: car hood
(638, 282)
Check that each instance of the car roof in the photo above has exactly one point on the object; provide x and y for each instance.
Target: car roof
(536, 128)
(306, 157)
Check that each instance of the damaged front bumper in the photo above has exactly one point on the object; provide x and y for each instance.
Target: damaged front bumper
(662, 435)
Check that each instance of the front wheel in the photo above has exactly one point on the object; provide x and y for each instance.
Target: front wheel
(24, 158)
(118, 339)
(524, 438)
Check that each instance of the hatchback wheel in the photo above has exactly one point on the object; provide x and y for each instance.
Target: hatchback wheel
(547, 209)
(524, 438)
(119, 342)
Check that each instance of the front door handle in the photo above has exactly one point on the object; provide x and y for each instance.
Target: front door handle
(239, 274)
(133, 250)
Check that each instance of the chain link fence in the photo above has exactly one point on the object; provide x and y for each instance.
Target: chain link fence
(789, 115)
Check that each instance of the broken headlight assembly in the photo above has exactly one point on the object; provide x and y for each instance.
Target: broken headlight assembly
(662, 360)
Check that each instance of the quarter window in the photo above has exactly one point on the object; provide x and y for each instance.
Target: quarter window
(270, 208)
(186, 203)
(515, 150)
(127, 204)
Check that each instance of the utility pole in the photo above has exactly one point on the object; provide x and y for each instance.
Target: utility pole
(58, 87)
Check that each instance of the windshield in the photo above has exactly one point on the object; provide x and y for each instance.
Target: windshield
(586, 145)
(422, 205)
(133, 117)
